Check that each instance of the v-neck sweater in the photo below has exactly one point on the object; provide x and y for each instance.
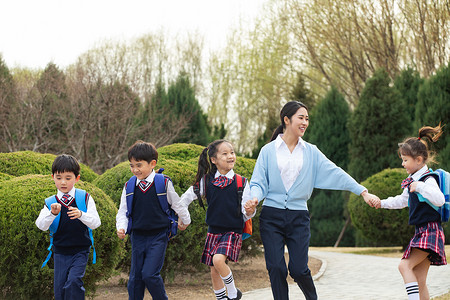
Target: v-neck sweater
(317, 172)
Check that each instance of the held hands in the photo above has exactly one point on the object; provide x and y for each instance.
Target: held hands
(250, 206)
(371, 199)
(182, 226)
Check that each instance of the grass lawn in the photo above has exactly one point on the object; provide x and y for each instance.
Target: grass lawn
(380, 251)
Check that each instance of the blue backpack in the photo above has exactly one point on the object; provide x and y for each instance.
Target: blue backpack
(443, 179)
(161, 191)
(80, 199)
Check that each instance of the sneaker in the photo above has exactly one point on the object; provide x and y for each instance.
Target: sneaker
(239, 295)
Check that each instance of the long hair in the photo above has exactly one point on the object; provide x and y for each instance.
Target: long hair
(205, 165)
(288, 110)
(418, 146)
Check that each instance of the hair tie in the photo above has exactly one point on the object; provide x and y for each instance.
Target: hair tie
(418, 138)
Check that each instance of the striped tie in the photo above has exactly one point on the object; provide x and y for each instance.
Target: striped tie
(406, 182)
(222, 181)
(66, 199)
(144, 185)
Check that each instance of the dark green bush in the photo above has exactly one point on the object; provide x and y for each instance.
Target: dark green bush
(185, 250)
(24, 246)
(383, 227)
(4, 177)
(29, 162)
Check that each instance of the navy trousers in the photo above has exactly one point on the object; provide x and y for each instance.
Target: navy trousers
(147, 258)
(68, 273)
(280, 227)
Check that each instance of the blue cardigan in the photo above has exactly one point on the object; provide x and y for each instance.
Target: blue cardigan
(317, 172)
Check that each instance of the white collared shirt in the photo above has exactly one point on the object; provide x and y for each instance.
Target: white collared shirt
(190, 195)
(289, 164)
(428, 189)
(172, 198)
(90, 218)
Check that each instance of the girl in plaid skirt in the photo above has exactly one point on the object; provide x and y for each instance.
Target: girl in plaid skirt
(225, 215)
(427, 245)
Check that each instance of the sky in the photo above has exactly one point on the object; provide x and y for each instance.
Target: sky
(36, 32)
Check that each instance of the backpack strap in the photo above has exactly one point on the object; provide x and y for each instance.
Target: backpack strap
(161, 182)
(129, 193)
(240, 182)
(81, 198)
(435, 175)
(53, 227)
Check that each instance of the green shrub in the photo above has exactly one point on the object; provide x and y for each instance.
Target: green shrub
(184, 251)
(180, 151)
(24, 246)
(383, 227)
(4, 177)
(29, 162)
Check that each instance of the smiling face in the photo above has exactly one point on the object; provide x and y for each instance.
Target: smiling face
(141, 168)
(411, 164)
(298, 123)
(65, 181)
(225, 158)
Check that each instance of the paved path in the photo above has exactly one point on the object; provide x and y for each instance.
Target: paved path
(352, 276)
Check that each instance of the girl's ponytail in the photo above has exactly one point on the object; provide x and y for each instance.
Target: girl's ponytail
(431, 133)
(203, 165)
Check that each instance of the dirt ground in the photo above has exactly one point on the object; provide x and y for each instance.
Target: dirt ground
(249, 273)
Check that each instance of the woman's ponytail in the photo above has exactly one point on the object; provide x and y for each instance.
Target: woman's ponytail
(276, 132)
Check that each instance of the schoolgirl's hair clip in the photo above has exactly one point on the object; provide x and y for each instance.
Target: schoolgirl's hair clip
(418, 138)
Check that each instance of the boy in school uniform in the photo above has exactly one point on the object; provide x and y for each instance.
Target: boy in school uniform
(71, 241)
(147, 223)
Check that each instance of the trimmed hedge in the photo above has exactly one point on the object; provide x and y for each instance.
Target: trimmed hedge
(24, 246)
(184, 251)
(29, 162)
(4, 177)
(383, 227)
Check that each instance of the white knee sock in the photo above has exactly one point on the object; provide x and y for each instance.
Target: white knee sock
(221, 294)
(229, 283)
(412, 288)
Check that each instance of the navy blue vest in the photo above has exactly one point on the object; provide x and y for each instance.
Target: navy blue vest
(224, 210)
(147, 214)
(72, 235)
(421, 213)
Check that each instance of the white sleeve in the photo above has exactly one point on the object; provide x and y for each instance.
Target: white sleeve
(430, 190)
(246, 195)
(45, 219)
(396, 202)
(121, 217)
(90, 218)
(177, 204)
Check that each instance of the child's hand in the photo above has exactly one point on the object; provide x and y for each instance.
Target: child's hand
(74, 213)
(121, 233)
(369, 198)
(250, 206)
(413, 186)
(55, 208)
(376, 202)
(182, 226)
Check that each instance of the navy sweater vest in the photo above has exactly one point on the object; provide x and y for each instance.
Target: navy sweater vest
(224, 210)
(421, 213)
(72, 236)
(147, 214)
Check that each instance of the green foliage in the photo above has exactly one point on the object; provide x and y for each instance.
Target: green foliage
(28, 162)
(24, 246)
(376, 127)
(433, 107)
(383, 227)
(180, 164)
(407, 84)
(4, 177)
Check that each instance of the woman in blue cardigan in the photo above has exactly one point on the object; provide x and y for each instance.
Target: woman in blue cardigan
(286, 172)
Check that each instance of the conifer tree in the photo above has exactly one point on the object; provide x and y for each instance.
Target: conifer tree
(376, 126)
(328, 131)
(433, 107)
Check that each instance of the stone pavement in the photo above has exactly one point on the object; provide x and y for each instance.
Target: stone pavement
(352, 276)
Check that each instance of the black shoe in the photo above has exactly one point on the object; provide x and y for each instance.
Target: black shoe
(239, 295)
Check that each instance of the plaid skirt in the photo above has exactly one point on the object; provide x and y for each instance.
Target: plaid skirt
(430, 238)
(228, 244)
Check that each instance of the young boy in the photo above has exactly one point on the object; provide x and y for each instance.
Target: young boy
(149, 223)
(71, 241)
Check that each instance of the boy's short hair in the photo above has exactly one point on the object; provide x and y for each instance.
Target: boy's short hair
(143, 151)
(66, 163)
